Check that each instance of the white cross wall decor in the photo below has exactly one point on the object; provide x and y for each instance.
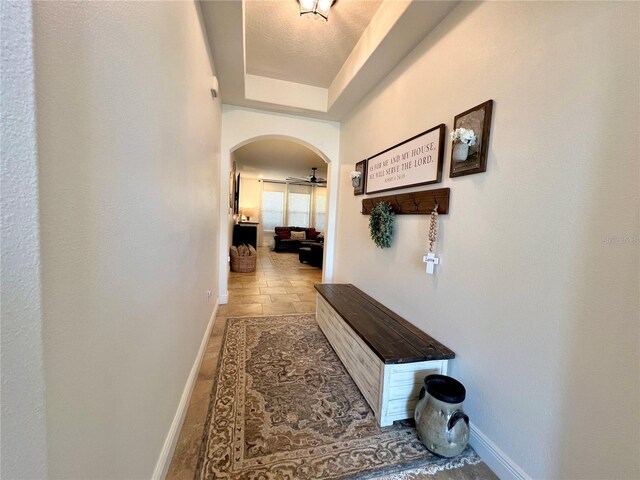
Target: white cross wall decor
(431, 260)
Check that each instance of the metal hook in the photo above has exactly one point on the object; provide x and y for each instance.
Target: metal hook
(435, 200)
(413, 199)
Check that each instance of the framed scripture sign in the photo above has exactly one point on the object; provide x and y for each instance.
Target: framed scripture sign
(417, 161)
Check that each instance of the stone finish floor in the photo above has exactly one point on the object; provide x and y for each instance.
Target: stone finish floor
(280, 285)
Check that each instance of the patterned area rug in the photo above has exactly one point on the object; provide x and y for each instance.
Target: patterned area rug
(288, 260)
(284, 407)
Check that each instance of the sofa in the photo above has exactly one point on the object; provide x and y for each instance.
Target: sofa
(284, 242)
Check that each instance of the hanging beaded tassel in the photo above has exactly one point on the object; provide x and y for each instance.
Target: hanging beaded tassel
(433, 228)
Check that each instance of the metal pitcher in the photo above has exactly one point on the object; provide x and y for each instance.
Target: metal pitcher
(441, 424)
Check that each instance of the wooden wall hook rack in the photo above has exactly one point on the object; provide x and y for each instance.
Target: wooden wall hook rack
(414, 203)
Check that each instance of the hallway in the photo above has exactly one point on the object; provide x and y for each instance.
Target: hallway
(280, 285)
(122, 127)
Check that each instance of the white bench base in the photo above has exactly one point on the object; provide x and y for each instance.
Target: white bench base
(391, 390)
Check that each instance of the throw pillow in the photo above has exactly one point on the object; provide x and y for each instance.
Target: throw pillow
(234, 251)
(283, 234)
(312, 234)
(298, 236)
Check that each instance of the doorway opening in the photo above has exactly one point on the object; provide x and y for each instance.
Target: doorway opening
(279, 191)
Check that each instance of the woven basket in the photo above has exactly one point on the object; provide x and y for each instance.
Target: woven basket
(243, 264)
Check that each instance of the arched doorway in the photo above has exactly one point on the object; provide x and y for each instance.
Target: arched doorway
(243, 126)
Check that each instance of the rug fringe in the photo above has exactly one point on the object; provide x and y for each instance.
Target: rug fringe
(432, 469)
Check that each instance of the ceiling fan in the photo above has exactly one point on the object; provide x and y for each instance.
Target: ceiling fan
(309, 179)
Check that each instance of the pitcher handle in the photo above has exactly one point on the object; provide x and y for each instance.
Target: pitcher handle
(456, 417)
(422, 393)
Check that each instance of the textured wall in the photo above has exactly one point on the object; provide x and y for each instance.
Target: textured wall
(535, 294)
(23, 446)
(128, 138)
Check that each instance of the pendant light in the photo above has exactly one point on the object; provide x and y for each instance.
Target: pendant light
(316, 8)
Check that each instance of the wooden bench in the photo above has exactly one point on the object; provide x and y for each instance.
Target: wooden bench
(386, 356)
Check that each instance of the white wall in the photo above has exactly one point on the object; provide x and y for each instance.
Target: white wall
(251, 198)
(536, 299)
(23, 450)
(242, 125)
(128, 137)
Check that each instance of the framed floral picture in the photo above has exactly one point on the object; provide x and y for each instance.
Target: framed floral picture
(359, 177)
(470, 137)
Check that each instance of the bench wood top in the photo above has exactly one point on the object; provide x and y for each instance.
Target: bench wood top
(392, 338)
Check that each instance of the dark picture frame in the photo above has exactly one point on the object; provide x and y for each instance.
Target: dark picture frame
(236, 196)
(232, 186)
(362, 168)
(477, 119)
(428, 150)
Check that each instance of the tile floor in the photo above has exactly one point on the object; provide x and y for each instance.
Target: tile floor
(279, 285)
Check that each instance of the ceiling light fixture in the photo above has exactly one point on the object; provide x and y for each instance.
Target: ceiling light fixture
(317, 8)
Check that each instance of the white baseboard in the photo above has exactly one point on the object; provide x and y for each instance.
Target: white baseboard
(496, 459)
(162, 465)
(224, 298)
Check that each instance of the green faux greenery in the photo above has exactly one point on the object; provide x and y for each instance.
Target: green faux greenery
(381, 224)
